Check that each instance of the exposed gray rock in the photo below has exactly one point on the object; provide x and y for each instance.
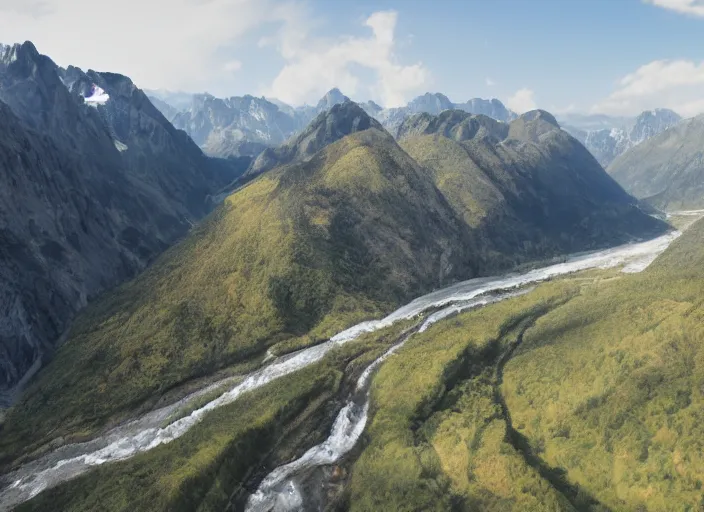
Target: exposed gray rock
(90, 193)
(454, 124)
(247, 125)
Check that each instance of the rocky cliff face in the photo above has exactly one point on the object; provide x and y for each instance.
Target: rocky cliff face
(94, 183)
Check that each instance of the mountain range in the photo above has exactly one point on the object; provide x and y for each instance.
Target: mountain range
(182, 331)
(247, 125)
(344, 223)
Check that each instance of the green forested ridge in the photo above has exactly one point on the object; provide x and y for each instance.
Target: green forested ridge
(438, 437)
(213, 464)
(621, 406)
(300, 253)
(528, 184)
(293, 257)
(599, 407)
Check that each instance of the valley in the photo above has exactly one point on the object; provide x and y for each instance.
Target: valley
(254, 258)
(147, 433)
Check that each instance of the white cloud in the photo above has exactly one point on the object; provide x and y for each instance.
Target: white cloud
(315, 65)
(569, 109)
(175, 44)
(490, 82)
(674, 84)
(33, 8)
(196, 45)
(232, 66)
(691, 7)
(522, 101)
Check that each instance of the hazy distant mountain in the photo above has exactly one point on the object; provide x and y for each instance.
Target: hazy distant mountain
(592, 122)
(434, 103)
(247, 125)
(371, 108)
(668, 169)
(608, 137)
(242, 125)
(176, 99)
(237, 125)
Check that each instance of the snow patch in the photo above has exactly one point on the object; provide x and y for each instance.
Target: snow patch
(120, 146)
(97, 96)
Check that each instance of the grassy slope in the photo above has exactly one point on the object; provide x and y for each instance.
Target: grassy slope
(525, 200)
(290, 259)
(207, 468)
(437, 439)
(620, 408)
(603, 401)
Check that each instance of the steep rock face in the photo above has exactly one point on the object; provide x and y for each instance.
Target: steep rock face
(332, 97)
(608, 143)
(93, 188)
(667, 170)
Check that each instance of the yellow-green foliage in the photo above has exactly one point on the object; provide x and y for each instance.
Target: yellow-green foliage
(462, 182)
(287, 261)
(610, 387)
(202, 469)
(424, 457)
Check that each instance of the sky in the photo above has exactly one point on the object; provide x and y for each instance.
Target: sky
(616, 57)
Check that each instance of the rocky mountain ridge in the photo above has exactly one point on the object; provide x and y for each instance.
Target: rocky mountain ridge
(95, 184)
(247, 125)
